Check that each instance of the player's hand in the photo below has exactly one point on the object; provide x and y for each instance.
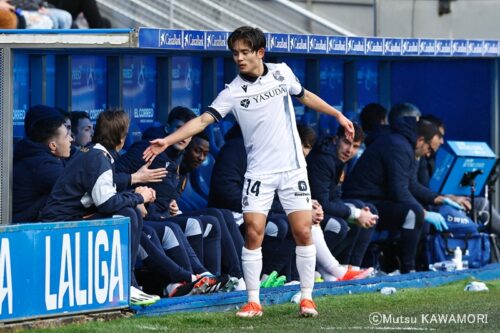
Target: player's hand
(347, 125)
(173, 208)
(157, 146)
(317, 214)
(367, 219)
(146, 175)
(143, 210)
(148, 194)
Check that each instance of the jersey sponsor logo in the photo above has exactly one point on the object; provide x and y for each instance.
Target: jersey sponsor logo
(277, 76)
(302, 186)
(245, 102)
(244, 87)
(270, 94)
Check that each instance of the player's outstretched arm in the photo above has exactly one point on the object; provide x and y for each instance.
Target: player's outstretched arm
(313, 101)
(189, 129)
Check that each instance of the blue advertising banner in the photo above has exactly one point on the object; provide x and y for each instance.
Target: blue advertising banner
(303, 44)
(299, 43)
(356, 45)
(410, 47)
(337, 45)
(88, 84)
(216, 40)
(49, 269)
(443, 47)
(374, 46)
(194, 40)
(186, 82)
(139, 90)
(427, 47)
(392, 46)
(21, 88)
(277, 42)
(459, 47)
(475, 48)
(318, 44)
(491, 48)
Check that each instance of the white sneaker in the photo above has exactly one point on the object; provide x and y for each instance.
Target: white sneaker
(241, 285)
(138, 297)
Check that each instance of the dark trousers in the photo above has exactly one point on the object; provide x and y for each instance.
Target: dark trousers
(406, 218)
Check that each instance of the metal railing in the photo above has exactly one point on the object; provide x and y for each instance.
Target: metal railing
(215, 15)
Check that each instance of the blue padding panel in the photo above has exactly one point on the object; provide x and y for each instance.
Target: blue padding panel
(230, 301)
(446, 90)
(201, 176)
(190, 199)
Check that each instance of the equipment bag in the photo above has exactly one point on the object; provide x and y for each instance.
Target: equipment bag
(463, 233)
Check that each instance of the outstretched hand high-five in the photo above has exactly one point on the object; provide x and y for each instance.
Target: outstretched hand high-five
(157, 146)
(347, 125)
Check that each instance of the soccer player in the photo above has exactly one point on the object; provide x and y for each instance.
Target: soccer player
(260, 99)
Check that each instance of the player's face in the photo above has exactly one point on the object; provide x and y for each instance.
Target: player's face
(306, 150)
(249, 62)
(422, 148)
(84, 132)
(435, 143)
(61, 144)
(347, 149)
(181, 145)
(198, 153)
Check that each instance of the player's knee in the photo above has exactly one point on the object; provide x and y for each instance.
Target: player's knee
(303, 236)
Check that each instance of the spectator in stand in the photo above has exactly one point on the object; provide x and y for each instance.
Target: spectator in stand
(36, 13)
(8, 18)
(89, 9)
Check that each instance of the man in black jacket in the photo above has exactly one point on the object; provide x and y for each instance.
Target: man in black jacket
(385, 175)
(325, 166)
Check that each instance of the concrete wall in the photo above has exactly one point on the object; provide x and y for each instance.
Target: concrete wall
(406, 18)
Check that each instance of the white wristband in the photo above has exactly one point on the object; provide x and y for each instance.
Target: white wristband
(355, 213)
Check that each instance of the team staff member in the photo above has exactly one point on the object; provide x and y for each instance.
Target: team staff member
(260, 99)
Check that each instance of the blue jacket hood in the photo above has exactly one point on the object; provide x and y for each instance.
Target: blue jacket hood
(407, 127)
(28, 148)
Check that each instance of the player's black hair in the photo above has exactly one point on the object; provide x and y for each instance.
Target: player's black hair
(181, 113)
(253, 37)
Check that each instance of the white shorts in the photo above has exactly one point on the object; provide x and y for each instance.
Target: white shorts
(292, 188)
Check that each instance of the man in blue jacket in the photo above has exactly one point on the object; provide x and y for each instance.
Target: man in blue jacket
(385, 175)
(325, 166)
(38, 162)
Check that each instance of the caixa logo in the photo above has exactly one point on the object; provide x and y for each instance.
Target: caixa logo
(458, 219)
(170, 40)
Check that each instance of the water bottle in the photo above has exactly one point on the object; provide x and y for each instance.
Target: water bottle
(457, 258)
(388, 290)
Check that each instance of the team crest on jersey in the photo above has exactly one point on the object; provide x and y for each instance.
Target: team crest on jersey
(244, 87)
(302, 186)
(245, 103)
(277, 75)
(244, 202)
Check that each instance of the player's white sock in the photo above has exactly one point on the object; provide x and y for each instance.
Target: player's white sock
(306, 262)
(251, 261)
(325, 260)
